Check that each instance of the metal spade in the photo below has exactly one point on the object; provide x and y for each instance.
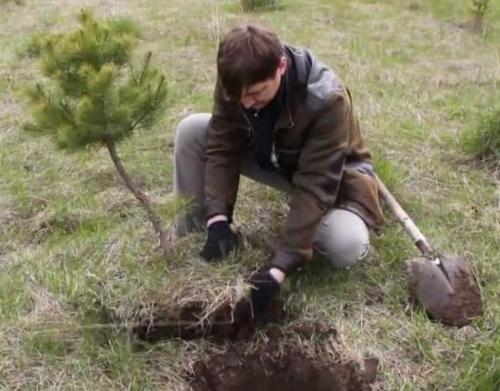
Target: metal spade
(445, 286)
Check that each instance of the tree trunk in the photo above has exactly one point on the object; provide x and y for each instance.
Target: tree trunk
(476, 22)
(142, 197)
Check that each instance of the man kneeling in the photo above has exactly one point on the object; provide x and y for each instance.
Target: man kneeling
(283, 119)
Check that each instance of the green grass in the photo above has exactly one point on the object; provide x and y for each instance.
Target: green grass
(78, 258)
(17, 2)
(483, 142)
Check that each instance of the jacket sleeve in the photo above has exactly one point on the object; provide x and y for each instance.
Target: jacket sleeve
(225, 147)
(316, 181)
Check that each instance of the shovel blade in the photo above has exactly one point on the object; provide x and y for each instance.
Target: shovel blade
(451, 296)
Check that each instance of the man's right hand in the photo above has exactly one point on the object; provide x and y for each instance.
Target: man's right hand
(221, 240)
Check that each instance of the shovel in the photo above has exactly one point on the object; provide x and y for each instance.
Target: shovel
(445, 286)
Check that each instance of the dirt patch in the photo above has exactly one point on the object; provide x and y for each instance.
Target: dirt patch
(191, 322)
(294, 357)
(271, 368)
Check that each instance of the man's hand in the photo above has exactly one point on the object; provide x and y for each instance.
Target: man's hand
(266, 286)
(221, 240)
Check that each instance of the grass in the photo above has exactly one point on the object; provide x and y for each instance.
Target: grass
(252, 5)
(483, 142)
(77, 257)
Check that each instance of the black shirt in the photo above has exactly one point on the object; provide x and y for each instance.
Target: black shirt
(263, 122)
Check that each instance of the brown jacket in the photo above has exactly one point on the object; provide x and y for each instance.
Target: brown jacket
(319, 148)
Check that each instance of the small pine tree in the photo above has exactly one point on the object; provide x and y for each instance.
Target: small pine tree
(95, 96)
(479, 9)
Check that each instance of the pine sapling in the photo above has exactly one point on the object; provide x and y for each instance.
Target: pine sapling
(94, 95)
(479, 9)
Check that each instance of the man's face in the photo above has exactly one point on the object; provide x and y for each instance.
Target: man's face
(260, 94)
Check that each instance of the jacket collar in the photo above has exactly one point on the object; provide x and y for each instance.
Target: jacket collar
(285, 119)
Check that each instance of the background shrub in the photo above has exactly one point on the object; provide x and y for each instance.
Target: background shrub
(484, 141)
(251, 5)
(479, 9)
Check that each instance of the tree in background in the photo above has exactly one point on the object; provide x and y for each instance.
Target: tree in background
(252, 5)
(94, 95)
(479, 9)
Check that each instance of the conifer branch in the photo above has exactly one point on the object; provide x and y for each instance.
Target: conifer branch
(141, 118)
(146, 66)
(160, 84)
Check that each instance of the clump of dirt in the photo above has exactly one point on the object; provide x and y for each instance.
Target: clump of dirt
(269, 368)
(190, 322)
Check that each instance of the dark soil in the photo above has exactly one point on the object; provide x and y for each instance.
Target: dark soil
(276, 365)
(225, 324)
(269, 368)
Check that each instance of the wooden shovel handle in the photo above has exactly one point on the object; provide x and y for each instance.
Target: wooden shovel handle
(405, 220)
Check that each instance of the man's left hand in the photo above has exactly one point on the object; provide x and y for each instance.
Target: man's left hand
(265, 288)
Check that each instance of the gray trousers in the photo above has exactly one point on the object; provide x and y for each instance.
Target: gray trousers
(342, 237)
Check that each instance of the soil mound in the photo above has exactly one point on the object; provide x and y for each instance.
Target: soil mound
(263, 370)
(278, 364)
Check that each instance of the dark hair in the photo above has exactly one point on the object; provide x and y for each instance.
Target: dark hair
(247, 55)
